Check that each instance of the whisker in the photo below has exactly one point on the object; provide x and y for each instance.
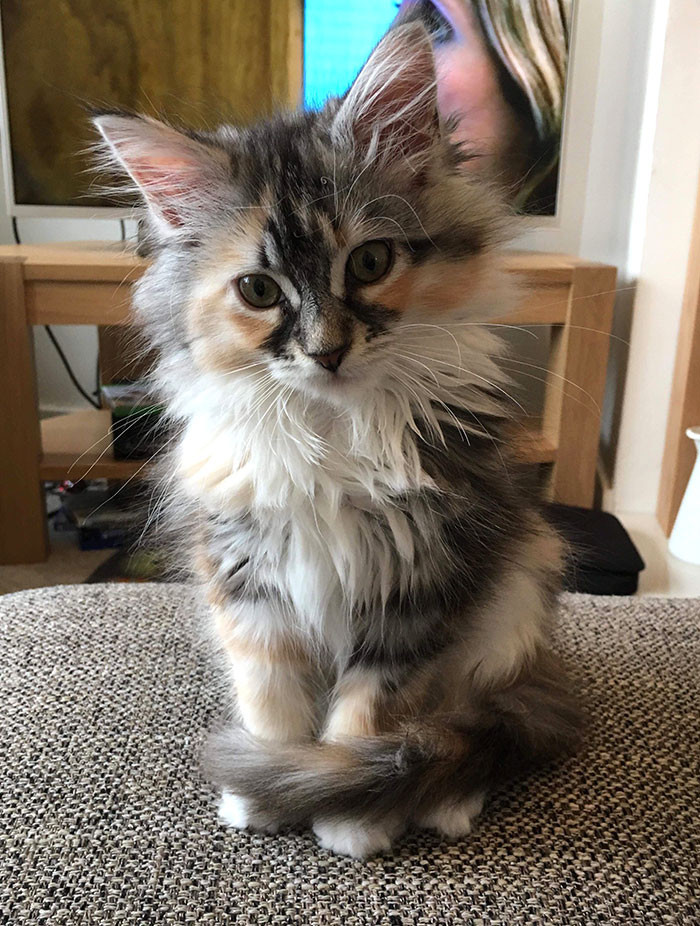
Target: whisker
(435, 398)
(106, 436)
(439, 328)
(483, 379)
(415, 214)
(570, 382)
(574, 398)
(352, 187)
(134, 475)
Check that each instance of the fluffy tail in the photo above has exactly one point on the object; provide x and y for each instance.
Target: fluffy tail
(403, 772)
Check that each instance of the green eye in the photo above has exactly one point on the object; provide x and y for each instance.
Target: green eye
(259, 291)
(370, 261)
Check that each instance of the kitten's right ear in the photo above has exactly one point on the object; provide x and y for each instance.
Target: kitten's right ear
(391, 109)
(179, 177)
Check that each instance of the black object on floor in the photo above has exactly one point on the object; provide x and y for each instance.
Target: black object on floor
(602, 559)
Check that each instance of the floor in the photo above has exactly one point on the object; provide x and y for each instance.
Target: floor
(663, 575)
(66, 565)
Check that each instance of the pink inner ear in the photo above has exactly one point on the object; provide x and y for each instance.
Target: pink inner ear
(165, 180)
(394, 98)
(406, 121)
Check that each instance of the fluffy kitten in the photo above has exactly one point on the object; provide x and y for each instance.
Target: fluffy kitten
(380, 583)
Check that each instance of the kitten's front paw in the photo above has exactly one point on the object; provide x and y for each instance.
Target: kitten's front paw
(234, 811)
(454, 819)
(355, 838)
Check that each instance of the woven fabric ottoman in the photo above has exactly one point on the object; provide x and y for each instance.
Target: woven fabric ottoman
(106, 693)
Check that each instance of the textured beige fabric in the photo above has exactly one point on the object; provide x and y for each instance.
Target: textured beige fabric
(105, 692)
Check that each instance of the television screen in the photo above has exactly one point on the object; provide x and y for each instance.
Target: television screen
(501, 77)
(338, 38)
(502, 68)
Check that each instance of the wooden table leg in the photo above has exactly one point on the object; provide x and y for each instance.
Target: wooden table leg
(576, 383)
(23, 533)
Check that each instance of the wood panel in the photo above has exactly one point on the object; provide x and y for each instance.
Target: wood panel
(684, 410)
(200, 63)
(576, 382)
(544, 300)
(286, 36)
(23, 537)
(62, 303)
(79, 446)
(112, 260)
(540, 304)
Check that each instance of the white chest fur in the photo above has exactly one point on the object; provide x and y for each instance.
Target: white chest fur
(312, 483)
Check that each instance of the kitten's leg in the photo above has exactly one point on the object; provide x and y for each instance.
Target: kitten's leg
(355, 705)
(274, 694)
(454, 818)
(355, 711)
(272, 677)
(357, 838)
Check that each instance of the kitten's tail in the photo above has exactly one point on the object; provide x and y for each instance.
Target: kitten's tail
(404, 772)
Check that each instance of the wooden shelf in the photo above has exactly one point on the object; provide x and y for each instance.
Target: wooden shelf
(531, 444)
(88, 283)
(79, 446)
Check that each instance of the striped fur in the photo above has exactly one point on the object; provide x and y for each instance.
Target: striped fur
(380, 582)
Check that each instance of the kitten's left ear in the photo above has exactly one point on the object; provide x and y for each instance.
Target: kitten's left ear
(181, 179)
(391, 109)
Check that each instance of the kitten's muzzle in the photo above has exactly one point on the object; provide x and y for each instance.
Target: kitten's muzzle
(331, 360)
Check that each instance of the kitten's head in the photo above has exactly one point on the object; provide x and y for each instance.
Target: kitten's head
(316, 243)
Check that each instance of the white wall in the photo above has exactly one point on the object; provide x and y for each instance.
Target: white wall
(662, 251)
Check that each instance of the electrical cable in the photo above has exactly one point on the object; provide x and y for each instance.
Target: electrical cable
(52, 338)
(69, 371)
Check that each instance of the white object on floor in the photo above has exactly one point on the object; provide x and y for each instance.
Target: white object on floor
(685, 537)
(664, 574)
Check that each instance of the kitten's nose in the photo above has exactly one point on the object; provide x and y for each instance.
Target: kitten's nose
(332, 360)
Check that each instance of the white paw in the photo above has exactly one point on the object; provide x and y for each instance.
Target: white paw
(454, 819)
(233, 811)
(352, 837)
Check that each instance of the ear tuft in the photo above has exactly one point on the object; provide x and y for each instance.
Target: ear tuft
(176, 174)
(391, 109)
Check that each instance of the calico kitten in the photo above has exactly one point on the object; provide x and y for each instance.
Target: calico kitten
(380, 583)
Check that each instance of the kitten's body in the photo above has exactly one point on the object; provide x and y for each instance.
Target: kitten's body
(378, 579)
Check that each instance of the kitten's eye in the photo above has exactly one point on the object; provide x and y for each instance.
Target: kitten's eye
(259, 291)
(370, 261)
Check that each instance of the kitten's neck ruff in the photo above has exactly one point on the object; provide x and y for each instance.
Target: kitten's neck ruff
(251, 442)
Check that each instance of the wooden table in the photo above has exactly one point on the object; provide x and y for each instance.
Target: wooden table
(90, 284)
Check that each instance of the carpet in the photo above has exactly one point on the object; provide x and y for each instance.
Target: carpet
(105, 694)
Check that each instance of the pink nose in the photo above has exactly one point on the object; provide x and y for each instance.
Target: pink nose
(332, 360)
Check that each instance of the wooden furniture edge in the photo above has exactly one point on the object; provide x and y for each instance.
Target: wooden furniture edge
(78, 445)
(23, 531)
(63, 284)
(684, 409)
(579, 354)
(57, 278)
